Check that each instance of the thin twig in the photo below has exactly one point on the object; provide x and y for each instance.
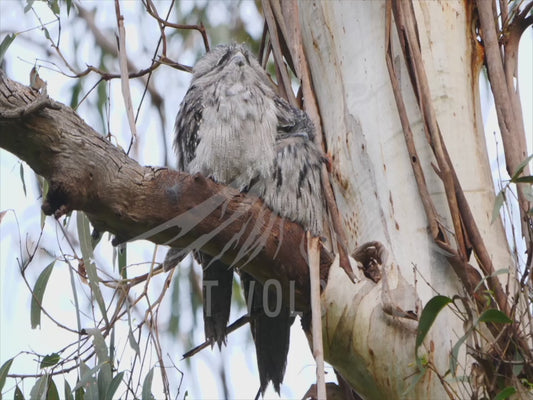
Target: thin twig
(124, 81)
(313, 254)
(229, 329)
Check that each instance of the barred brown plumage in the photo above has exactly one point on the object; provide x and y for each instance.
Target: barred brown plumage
(233, 128)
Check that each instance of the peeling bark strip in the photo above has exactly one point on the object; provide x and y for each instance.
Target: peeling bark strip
(89, 174)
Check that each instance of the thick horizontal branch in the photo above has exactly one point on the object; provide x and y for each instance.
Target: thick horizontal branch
(87, 173)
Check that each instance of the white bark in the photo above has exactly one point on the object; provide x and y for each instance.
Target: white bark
(376, 190)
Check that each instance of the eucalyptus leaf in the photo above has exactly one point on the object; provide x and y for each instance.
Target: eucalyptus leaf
(147, 386)
(495, 316)
(6, 42)
(429, 313)
(505, 393)
(133, 342)
(52, 393)
(100, 347)
(18, 394)
(454, 358)
(113, 386)
(84, 235)
(21, 172)
(122, 261)
(524, 179)
(67, 391)
(4, 370)
(86, 376)
(521, 167)
(29, 5)
(54, 6)
(49, 360)
(39, 389)
(38, 294)
(498, 203)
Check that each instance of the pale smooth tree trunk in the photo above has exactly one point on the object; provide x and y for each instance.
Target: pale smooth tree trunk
(376, 191)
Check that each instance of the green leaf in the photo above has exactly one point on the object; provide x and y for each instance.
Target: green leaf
(113, 386)
(50, 360)
(6, 42)
(122, 261)
(38, 293)
(495, 316)
(68, 391)
(86, 376)
(133, 343)
(39, 390)
(47, 34)
(414, 381)
(18, 394)
(84, 235)
(45, 187)
(100, 347)
(54, 6)
(505, 393)
(29, 5)
(521, 168)
(455, 351)
(69, 6)
(498, 203)
(101, 91)
(528, 192)
(79, 394)
(524, 179)
(501, 271)
(4, 370)
(21, 172)
(147, 386)
(52, 393)
(76, 91)
(429, 313)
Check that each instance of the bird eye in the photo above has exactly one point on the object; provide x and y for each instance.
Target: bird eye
(224, 58)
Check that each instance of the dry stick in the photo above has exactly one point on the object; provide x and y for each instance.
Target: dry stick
(447, 173)
(124, 81)
(234, 326)
(282, 18)
(480, 250)
(459, 199)
(108, 46)
(406, 24)
(285, 80)
(512, 129)
(429, 207)
(200, 27)
(479, 247)
(438, 233)
(313, 253)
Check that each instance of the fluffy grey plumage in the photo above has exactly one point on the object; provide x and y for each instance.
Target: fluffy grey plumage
(227, 124)
(233, 128)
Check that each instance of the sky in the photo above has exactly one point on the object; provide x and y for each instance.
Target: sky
(22, 223)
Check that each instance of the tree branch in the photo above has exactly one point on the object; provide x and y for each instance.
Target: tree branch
(89, 174)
